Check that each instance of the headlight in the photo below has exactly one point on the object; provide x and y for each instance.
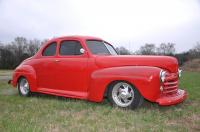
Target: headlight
(179, 73)
(162, 76)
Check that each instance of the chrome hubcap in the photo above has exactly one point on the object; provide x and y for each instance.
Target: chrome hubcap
(123, 94)
(24, 86)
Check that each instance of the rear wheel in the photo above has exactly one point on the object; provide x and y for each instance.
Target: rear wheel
(123, 94)
(23, 87)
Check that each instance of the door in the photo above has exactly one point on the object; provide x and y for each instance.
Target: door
(71, 69)
(45, 67)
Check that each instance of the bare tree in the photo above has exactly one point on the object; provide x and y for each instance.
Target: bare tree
(33, 47)
(195, 51)
(12, 54)
(197, 47)
(166, 49)
(148, 49)
(44, 41)
(7, 59)
(19, 45)
(123, 51)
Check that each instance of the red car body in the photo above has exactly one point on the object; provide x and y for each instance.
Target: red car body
(88, 76)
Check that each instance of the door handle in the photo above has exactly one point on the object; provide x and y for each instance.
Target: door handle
(57, 60)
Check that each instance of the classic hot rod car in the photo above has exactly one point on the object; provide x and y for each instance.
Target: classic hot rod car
(89, 68)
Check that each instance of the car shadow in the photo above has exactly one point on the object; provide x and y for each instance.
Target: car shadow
(154, 106)
(146, 104)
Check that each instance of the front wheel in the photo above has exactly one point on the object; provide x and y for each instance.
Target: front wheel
(123, 94)
(23, 87)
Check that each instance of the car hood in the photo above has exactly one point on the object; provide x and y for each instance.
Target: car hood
(164, 62)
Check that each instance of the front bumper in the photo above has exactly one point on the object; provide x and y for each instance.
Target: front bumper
(179, 97)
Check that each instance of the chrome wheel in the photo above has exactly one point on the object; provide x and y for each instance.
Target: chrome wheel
(24, 86)
(123, 94)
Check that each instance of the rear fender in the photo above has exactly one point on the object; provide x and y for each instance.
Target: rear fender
(29, 73)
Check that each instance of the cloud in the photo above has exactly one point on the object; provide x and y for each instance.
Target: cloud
(121, 22)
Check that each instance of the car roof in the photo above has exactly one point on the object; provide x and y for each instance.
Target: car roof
(76, 37)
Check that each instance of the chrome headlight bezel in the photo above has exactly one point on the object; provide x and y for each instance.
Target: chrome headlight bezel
(162, 76)
(179, 73)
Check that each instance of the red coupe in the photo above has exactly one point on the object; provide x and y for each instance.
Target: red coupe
(89, 68)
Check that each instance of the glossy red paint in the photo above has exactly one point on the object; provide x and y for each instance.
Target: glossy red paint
(88, 76)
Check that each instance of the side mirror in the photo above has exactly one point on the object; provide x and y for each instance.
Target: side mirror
(82, 51)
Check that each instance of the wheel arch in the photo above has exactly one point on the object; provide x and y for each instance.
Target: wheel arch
(112, 83)
(27, 72)
(20, 77)
(144, 78)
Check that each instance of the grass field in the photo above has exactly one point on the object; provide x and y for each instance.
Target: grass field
(51, 113)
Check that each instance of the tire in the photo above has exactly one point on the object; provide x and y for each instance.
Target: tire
(124, 95)
(23, 87)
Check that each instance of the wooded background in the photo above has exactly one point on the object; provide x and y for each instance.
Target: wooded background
(13, 53)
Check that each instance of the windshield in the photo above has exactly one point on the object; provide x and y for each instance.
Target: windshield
(100, 47)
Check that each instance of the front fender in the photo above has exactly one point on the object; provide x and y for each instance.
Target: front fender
(28, 72)
(145, 79)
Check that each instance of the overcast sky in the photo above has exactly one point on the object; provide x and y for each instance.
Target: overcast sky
(130, 23)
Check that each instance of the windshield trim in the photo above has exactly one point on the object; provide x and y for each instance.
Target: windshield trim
(111, 46)
(104, 43)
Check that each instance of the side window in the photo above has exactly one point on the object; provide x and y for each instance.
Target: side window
(50, 50)
(70, 47)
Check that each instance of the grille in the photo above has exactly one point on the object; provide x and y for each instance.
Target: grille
(170, 86)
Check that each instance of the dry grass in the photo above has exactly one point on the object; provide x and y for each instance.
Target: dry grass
(192, 65)
(50, 113)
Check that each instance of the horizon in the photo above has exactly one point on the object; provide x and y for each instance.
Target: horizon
(128, 46)
(131, 24)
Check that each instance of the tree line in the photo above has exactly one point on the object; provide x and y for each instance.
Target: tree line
(13, 53)
(166, 49)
